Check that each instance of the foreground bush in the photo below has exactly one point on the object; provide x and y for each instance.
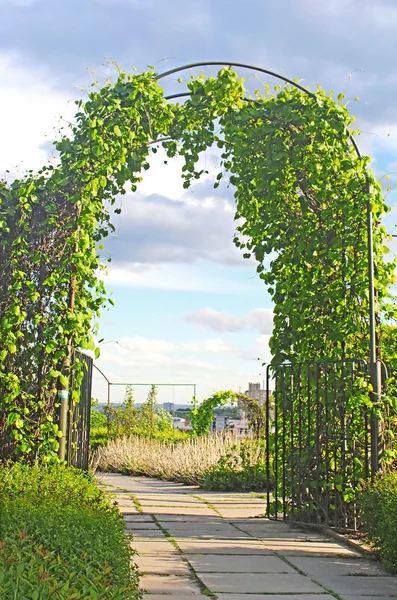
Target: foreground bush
(61, 537)
(379, 514)
(222, 462)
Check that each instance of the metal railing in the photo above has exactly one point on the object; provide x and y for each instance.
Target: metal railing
(318, 431)
(78, 422)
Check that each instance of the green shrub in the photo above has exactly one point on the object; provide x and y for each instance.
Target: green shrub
(99, 433)
(61, 537)
(241, 468)
(126, 421)
(378, 503)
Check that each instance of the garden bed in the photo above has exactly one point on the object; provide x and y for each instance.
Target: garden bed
(61, 537)
(215, 462)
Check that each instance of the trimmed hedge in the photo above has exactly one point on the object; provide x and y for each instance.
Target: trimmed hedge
(378, 502)
(61, 537)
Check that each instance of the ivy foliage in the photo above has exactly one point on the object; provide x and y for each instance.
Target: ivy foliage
(300, 201)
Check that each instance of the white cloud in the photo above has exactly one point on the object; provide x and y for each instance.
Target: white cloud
(216, 346)
(174, 277)
(139, 344)
(210, 363)
(258, 319)
(30, 108)
(159, 229)
(142, 355)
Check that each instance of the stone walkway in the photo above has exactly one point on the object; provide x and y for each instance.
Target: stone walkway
(196, 543)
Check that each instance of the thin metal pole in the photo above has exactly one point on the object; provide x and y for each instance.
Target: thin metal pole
(156, 384)
(108, 405)
(374, 364)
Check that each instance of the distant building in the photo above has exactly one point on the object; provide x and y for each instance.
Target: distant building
(255, 391)
(219, 423)
(230, 424)
(182, 424)
(239, 426)
(169, 407)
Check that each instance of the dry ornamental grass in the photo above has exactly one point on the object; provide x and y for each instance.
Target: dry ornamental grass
(188, 461)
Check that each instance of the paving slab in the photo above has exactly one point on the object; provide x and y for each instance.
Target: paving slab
(165, 498)
(170, 596)
(214, 525)
(152, 546)
(124, 482)
(204, 519)
(227, 547)
(273, 597)
(164, 565)
(215, 563)
(302, 548)
(293, 536)
(210, 534)
(230, 513)
(231, 495)
(251, 583)
(166, 510)
(274, 531)
(171, 504)
(368, 597)
(137, 518)
(239, 504)
(264, 523)
(158, 584)
(172, 486)
(384, 586)
(131, 526)
(320, 566)
(128, 510)
(126, 501)
(147, 533)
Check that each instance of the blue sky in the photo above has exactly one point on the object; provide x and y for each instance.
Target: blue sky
(188, 308)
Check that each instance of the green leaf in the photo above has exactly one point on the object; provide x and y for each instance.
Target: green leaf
(63, 380)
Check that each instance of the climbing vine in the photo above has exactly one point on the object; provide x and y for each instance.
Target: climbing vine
(300, 201)
(203, 416)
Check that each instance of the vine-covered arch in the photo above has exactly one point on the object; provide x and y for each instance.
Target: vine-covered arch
(203, 416)
(301, 191)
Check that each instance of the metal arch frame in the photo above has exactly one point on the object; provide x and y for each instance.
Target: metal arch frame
(373, 363)
(110, 383)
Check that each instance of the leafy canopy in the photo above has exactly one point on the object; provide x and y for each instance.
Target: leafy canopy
(300, 204)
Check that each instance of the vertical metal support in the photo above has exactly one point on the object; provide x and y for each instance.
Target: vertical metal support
(376, 438)
(268, 442)
(374, 366)
(108, 405)
(63, 398)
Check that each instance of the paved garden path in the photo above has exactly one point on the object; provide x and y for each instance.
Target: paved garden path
(193, 543)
